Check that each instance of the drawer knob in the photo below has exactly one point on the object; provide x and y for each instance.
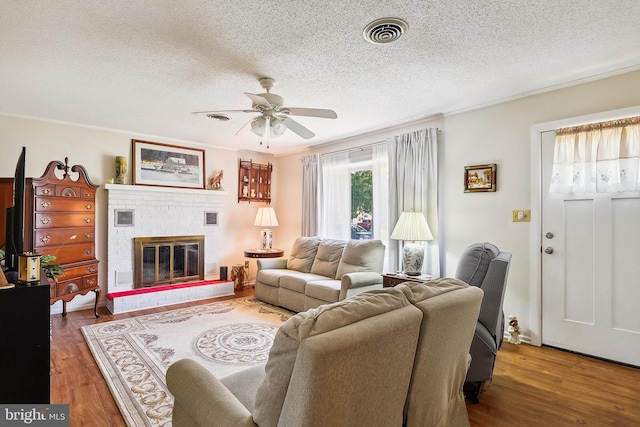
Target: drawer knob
(88, 235)
(88, 220)
(88, 251)
(45, 220)
(88, 206)
(46, 191)
(91, 269)
(45, 204)
(45, 239)
(91, 281)
(88, 194)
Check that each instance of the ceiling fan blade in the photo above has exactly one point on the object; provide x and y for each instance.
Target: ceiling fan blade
(310, 112)
(246, 129)
(223, 111)
(298, 128)
(258, 100)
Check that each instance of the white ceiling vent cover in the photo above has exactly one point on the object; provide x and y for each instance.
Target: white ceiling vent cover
(385, 30)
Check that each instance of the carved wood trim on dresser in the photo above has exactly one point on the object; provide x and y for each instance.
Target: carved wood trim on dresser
(63, 205)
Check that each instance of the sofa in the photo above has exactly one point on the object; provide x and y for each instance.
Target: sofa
(320, 271)
(391, 357)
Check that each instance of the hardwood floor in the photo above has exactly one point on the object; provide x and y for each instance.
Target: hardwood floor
(532, 386)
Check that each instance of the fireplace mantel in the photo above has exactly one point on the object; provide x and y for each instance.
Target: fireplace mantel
(153, 188)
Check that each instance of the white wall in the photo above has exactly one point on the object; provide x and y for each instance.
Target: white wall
(96, 149)
(494, 134)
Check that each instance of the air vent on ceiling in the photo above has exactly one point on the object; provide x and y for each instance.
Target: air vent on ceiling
(385, 30)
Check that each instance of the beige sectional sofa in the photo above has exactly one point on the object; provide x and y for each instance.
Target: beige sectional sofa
(320, 271)
(392, 357)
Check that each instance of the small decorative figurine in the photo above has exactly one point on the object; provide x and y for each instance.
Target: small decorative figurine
(215, 182)
(514, 330)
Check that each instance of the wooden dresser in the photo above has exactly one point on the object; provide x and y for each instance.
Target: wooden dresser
(63, 203)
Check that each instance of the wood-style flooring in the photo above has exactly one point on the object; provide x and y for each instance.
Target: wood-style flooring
(532, 386)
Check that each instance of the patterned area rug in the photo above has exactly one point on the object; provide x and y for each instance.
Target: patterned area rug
(134, 354)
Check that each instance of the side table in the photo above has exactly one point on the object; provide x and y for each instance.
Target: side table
(263, 253)
(390, 280)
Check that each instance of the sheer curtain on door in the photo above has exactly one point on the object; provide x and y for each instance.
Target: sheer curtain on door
(597, 158)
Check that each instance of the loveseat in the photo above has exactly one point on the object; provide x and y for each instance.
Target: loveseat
(391, 357)
(320, 271)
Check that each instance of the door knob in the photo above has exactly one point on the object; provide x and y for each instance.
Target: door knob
(548, 250)
(549, 235)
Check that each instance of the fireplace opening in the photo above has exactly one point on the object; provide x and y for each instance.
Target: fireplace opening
(167, 260)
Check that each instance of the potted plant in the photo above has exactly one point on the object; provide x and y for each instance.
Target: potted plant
(51, 268)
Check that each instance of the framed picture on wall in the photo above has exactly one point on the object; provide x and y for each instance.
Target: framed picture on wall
(480, 178)
(167, 165)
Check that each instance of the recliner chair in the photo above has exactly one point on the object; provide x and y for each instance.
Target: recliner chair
(485, 266)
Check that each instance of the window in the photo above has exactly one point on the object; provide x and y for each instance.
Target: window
(362, 204)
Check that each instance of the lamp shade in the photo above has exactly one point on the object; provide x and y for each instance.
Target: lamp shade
(266, 217)
(412, 226)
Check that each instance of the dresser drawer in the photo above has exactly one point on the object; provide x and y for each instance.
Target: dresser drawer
(71, 253)
(77, 284)
(65, 204)
(58, 220)
(85, 270)
(47, 237)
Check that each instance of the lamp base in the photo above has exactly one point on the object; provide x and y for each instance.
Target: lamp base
(266, 239)
(412, 258)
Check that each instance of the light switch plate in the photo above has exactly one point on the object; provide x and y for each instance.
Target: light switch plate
(521, 215)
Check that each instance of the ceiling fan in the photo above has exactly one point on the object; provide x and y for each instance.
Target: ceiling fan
(274, 119)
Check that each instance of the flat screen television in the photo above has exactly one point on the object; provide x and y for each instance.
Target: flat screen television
(15, 217)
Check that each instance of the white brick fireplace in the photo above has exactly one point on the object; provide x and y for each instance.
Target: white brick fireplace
(145, 211)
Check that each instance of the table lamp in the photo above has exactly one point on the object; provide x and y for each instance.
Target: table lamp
(412, 227)
(266, 217)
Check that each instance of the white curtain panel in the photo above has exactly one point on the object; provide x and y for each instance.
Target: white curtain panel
(310, 175)
(380, 175)
(413, 186)
(603, 160)
(335, 203)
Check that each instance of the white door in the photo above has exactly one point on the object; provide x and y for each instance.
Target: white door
(590, 270)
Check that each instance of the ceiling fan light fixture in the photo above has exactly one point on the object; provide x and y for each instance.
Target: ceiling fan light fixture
(278, 127)
(259, 125)
(385, 30)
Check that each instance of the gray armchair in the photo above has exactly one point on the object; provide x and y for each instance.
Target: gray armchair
(485, 266)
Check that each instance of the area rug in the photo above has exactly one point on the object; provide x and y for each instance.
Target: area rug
(134, 354)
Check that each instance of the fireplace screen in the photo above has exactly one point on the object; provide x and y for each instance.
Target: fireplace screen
(166, 260)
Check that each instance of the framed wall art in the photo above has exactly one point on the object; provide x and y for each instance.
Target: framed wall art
(480, 178)
(167, 165)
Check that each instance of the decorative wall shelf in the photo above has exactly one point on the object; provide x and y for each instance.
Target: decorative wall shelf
(254, 182)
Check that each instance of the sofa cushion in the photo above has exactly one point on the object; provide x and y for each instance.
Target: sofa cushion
(474, 263)
(361, 255)
(325, 290)
(271, 393)
(303, 253)
(271, 277)
(328, 257)
(297, 281)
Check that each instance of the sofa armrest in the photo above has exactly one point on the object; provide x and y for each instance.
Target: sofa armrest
(358, 279)
(269, 263)
(200, 398)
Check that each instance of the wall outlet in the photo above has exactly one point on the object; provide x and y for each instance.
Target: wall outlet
(246, 264)
(521, 215)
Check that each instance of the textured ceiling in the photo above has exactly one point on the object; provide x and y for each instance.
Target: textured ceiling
(144, 66)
